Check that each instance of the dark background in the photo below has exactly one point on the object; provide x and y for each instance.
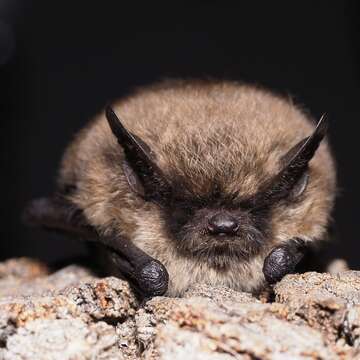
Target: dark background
(61, 61)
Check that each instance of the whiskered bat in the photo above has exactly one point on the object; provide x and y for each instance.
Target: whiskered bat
(196, 182)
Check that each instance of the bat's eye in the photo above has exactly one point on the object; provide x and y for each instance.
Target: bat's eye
(300, 186)
(132, 179)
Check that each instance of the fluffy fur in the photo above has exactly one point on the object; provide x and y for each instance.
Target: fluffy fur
(217, 143)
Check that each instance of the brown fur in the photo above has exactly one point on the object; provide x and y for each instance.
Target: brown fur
(201, 133)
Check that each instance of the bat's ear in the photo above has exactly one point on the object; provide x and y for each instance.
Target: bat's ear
(300, 154)
(293, 176)
(142, 173)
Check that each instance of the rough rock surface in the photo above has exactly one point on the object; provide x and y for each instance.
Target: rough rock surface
(72, 314)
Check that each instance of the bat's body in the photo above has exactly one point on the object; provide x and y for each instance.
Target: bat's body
(220, 183)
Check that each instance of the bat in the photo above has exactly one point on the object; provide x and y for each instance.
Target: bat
(191, 181)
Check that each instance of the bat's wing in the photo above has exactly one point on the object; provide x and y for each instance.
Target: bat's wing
(147, 275)
(57, 214)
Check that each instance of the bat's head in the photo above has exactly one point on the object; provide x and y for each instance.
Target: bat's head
(223, 213)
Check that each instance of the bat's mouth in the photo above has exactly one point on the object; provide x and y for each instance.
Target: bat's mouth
(225, 246)
(220, 235)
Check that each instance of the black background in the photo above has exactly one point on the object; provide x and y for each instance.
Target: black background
(61, 61)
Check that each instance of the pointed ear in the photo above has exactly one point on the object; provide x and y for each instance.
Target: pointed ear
(295, 166)
(142, 173)
(300, 155)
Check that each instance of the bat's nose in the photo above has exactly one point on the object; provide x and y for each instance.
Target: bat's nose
(223, 224)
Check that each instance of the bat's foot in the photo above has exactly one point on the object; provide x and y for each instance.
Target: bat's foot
(152, 279)
(281, 261)
(149, 278)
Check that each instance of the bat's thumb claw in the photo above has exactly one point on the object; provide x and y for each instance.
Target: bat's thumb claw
(154, 278)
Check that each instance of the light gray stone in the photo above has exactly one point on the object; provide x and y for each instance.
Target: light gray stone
(73, 314)
(60, 339)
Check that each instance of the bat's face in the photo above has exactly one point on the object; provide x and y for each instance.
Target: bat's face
(218, 226)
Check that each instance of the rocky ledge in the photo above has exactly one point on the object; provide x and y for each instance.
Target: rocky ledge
(72, 314)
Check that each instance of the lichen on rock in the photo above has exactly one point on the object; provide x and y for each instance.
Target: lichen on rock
(73, 314)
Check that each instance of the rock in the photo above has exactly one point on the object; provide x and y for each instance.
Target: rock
(70, 314)
(60, 339)
(107, 299)
(342, 288)
(22, 268)
(73, 314)
(219, 294)
(350, 326)
(325, 302)
(15, 272)
(41, 285)
(337, 266)
(199, 329)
